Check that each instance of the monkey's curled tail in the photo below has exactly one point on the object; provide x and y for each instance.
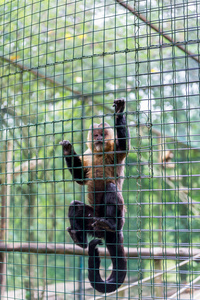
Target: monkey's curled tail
(119, 262)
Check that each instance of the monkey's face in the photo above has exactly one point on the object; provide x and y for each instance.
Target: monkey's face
(101, 137)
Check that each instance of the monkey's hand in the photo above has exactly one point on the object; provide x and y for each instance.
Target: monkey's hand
(119, 105)
(67, 147)
(78, 237)
(103, 224)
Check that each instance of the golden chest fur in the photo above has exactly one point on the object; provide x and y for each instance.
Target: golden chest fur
(103, 168)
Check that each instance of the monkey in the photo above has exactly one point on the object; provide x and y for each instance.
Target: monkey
(101, 168)
(166, 159)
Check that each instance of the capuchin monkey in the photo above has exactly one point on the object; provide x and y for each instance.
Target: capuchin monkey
(101, 168)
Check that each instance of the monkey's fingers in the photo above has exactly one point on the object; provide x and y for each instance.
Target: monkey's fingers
(119, 100)
(77, 237)
(65, 143)
(94, 243)
(119, 105)
(67, 146)
(100, 224)
(70, 230)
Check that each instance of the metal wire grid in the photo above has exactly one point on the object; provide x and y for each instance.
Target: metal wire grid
(62, 64)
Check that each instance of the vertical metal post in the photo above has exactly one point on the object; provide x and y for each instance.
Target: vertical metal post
(81, 262)
(80, 278)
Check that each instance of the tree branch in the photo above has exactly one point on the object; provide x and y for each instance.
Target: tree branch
(27, 166)
(148, 23)
(52, 248)
(39, 75)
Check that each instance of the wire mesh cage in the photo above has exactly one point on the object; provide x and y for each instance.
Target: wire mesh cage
(62, 65)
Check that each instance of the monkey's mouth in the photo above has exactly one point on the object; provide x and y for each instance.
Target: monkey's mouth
(99, 146)
(99, 142)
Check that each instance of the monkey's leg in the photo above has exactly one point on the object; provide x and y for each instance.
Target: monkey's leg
(111, 215)
(80, 217)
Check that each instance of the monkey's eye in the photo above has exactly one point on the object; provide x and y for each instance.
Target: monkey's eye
(95, 135)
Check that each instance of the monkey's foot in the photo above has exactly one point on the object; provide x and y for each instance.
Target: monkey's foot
(67, 147)
(103, 224)
(92, 246)
(78, 236)
(119, 105)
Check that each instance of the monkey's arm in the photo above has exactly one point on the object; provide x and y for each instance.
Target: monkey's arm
(74, 163)
(123, 135)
